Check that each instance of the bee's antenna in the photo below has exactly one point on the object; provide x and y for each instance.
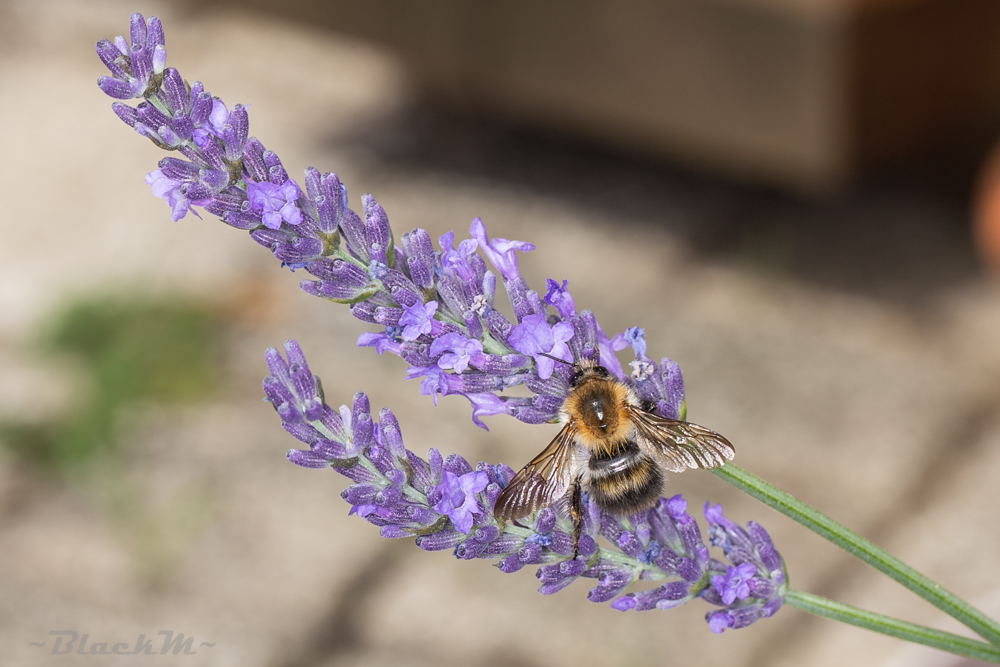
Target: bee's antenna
(562, 361)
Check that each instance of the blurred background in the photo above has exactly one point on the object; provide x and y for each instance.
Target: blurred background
(795, 198)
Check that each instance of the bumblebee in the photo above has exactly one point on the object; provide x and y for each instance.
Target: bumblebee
(614, 447)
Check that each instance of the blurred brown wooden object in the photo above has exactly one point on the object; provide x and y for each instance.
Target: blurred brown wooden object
(803, 94)
(986, 211)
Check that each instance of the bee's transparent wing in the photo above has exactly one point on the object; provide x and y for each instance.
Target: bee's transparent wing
(679, 445)
(544, 480)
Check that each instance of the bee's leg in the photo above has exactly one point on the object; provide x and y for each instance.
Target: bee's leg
(576, 514)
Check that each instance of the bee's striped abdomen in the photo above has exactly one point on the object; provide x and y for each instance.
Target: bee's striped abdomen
(625, 482)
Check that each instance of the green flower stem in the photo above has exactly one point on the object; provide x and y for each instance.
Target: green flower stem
(854, 544)
(919, 634)
(492, 346)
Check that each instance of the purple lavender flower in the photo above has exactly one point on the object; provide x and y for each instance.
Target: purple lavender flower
(433, 380)
(136, 68)
(500, 252)
(735, 583)
(382, 342)
(485, 404)
(418, 320)
(669, 539)
(457, 352)
(173, 192)
(456, 260)
(458, 497)
(661, 385)
(535, 337)
(217, 119)
(606, 348)
(752, 586)
(558, 297)
(276, 203)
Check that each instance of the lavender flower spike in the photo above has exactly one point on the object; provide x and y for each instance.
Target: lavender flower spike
(445, 503)
(753, 585)
(434, 307)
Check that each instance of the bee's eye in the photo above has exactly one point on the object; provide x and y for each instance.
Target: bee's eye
(602, 371)
(575, 380)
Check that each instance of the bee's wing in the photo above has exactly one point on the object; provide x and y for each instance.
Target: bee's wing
(542, 481)
(679, 445)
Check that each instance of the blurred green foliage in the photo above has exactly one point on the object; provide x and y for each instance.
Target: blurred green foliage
(133, 350)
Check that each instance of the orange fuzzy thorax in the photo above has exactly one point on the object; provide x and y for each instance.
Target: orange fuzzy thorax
(596, 406)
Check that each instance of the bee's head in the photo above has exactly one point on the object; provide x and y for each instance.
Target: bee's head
(582, 369)
(587, 368)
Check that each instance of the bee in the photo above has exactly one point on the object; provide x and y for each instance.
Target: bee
(613, 446)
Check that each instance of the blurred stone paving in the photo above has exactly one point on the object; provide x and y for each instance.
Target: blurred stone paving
(877, 406)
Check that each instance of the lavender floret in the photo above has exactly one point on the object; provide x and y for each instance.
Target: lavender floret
(136, 69)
